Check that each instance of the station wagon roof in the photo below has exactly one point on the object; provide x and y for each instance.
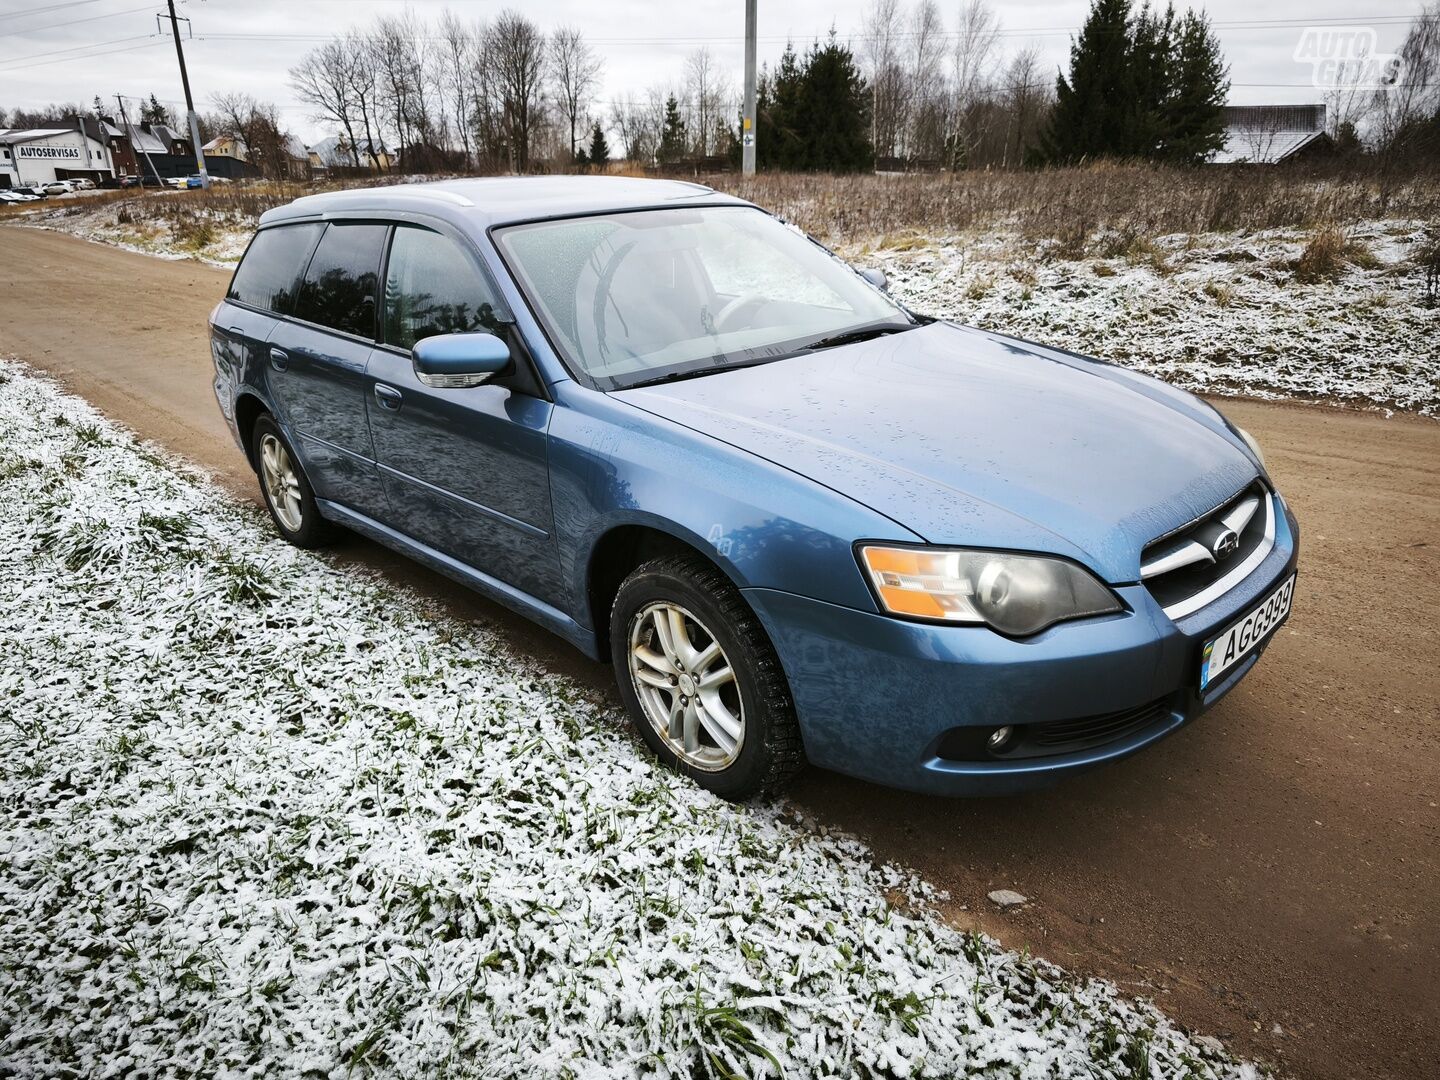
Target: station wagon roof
(500, 200)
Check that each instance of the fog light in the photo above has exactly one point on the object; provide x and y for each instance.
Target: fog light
(998, 738)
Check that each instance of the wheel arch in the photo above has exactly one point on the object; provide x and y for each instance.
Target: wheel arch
(248, 408)
(615, 554)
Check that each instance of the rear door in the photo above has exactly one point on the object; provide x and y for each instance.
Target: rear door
(261, 292)
(317, 362)
(466, 470)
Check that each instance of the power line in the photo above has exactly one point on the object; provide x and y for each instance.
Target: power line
(74, 22)
(45, 8)
(73, 48)
(87, 56)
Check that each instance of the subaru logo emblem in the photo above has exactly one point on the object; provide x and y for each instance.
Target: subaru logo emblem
(1225, 545)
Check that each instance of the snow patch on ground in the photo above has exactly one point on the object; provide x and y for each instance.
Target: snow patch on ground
(1215, 313)
(262, 816)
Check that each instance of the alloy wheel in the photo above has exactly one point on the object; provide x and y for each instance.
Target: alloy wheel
(282, 482)
(686, 686)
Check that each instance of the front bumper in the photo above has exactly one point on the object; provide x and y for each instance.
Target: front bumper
(877, 696)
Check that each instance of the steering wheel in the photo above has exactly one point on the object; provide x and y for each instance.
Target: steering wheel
(734, 307)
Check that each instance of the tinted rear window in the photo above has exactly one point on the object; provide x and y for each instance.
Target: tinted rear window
(267, 275)
(339, 288)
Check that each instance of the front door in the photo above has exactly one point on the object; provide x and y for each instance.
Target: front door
(465, 470)
(317, 362)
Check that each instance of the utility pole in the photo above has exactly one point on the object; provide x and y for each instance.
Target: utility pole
(133, 134)
(189, 101)
(747, 124)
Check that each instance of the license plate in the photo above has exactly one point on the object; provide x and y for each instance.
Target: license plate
(1245, 635)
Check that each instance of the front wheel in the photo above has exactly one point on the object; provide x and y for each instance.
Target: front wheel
(699, 676)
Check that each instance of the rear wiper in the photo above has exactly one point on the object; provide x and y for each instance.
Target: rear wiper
(850, 337)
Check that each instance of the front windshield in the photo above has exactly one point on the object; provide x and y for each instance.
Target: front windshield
(630, 297)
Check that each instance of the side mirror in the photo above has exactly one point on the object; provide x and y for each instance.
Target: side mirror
(874, 277)
(459, 361)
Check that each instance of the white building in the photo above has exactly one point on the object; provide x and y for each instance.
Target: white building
(43, 155)
(1270, 134)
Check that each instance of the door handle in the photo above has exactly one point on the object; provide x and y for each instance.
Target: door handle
(279, 359)
(236, 331)
(388, 397)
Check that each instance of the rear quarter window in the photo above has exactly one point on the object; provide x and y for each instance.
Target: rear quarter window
(271, 269)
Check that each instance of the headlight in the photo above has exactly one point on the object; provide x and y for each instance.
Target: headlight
(1252, 444)
(1015, 594)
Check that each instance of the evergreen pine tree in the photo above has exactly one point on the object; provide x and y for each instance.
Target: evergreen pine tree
(1200, 83)
(833, 116)
(786, 149)
(1093, 107)
(599, 149)
(152, 112)
(1150, 63)
(672, 133)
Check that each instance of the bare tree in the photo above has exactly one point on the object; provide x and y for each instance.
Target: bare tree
(704, 97)
(454, 63)
(883, 33)
(1412, 94)
(1350, 97)
(322, 80)
(1027, 96)
(398, 49)
(363, 92)
(926, 82)
(972, 78)
(575, 68)
(516, 48)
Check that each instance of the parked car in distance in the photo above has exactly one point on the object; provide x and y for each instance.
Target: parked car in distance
(82, 184)
(195, 180)
(36, 190)
(59, 187)
(129, 181)
(799, 519)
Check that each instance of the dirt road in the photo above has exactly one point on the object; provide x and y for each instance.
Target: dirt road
(1271, 874)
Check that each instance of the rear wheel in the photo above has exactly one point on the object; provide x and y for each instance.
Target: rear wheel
(699, 676)
(287, 491)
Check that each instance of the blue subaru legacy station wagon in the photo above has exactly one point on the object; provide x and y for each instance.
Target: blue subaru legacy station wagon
(803, 522)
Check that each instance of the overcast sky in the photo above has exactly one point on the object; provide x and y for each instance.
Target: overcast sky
(70, 51)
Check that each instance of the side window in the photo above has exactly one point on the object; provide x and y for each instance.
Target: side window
(431, 287)
(272, 265)
(339, 288)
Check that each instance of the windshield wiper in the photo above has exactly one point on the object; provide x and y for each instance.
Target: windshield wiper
(695, 373)
(860, 333)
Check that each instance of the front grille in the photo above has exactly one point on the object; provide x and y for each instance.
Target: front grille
(1182, 568)
(1054, 738)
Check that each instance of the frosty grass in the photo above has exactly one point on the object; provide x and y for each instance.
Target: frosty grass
(263, 816)
(1215, 313)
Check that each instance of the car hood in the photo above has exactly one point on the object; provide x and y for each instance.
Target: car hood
(972, 438)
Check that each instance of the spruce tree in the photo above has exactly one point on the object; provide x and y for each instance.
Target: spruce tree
(1150, 62)
(672, 133)
(599, 149)
(1200, 83)
(1149, 86)
(834, 127)
(1093, 110)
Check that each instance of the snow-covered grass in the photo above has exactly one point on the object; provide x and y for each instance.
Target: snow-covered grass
(1219, 313)
(264, 816)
